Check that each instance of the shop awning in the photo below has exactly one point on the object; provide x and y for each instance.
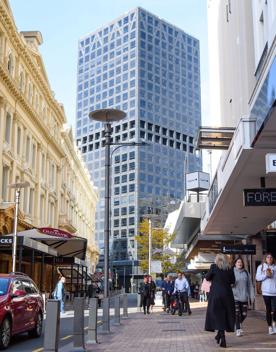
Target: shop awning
(63, 243)
(28, 243)
(205, 244)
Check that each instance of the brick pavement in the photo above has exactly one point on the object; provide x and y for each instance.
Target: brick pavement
(161, 332)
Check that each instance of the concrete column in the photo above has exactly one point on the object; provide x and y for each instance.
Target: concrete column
(125, 305)
(79, 324)
(52, 326)
(106, 315)
(117, 310)
(92, 321)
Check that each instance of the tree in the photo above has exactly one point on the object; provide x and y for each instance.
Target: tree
(160, 240)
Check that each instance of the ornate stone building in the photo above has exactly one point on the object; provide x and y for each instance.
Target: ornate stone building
(37, 146)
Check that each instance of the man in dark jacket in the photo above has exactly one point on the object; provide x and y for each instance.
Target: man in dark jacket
(145, 291)
(169, 288)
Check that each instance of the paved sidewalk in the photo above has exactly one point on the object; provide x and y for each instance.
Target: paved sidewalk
(161, 332)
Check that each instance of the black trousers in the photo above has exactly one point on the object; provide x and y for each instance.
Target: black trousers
(168, 300)
(146, 303)
(183, 301)
(241, 312)
(270, 305)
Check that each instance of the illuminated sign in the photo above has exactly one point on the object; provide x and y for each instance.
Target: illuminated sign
(260, 197)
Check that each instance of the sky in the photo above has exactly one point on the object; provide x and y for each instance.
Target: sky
(63, 22)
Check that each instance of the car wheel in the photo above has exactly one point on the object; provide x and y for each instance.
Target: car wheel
(5, 333)
(37, 330)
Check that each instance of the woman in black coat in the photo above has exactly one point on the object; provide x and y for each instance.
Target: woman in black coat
(221, 306)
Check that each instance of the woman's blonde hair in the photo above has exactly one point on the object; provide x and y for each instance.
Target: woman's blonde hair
(222, 261)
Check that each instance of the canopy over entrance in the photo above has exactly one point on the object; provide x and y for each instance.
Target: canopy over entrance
(64, 243)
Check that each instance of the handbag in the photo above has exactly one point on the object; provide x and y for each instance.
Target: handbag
(259, 284)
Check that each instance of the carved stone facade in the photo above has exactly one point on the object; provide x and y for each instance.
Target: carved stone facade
(37, 146)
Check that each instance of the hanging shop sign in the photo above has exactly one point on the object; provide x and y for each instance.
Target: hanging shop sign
(260, 197)
(6, 241)
(239, 249)
(55, 232)
(270, 163)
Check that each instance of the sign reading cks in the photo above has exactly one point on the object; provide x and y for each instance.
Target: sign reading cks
(55, 232)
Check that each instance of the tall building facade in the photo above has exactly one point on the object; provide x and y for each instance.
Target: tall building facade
(244, 37)
(151, 70)
(37, 146)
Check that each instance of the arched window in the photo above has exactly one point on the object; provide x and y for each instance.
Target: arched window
(10, 64)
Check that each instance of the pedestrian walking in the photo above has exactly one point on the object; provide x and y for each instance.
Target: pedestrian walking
(144, 291)
(163, 289)
(220, 314)
(205, 288)
(266, 276)
(169, 288)
(59, 293)
(182, 290)
(243, 291)
(152, 292)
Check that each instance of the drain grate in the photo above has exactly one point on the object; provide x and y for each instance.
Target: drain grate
(174, 330)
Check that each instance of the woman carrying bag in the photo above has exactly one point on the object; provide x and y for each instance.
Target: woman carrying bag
(266, 281)
(243, 291)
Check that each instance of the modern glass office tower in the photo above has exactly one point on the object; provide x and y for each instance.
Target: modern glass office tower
(150, 69)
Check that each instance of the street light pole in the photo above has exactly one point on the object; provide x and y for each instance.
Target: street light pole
(107, 116)
(150, 245)
(14, 244)
(17, 187)
(107, 131)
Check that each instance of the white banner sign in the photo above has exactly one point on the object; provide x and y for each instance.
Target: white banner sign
(270, 161)
(156, 266)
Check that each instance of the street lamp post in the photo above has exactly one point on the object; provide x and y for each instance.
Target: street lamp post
(17, 187)
(107, 116)
(150, 245)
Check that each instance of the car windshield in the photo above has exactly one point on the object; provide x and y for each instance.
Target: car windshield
(4, 284)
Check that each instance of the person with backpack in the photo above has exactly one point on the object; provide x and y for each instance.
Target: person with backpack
(243, 292)
(266, 285)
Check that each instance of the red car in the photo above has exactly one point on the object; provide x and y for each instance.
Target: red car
(21, 307)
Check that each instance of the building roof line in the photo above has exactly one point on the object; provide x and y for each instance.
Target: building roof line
(133, 10)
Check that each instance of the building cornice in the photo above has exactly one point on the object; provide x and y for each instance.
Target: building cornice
(22, 47)
(10, 85)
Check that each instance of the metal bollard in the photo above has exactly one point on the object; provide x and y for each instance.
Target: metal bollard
(92, 321)
(52, 326)
(125, 303)
(117, 310)
(138, 303)
(78, 330)
(106, 316)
